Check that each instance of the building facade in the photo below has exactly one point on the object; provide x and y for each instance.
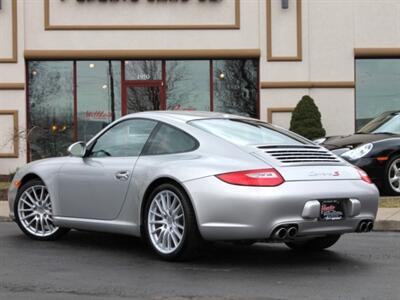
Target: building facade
(69, 67)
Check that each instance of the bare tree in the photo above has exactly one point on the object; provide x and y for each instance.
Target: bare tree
(235, 86)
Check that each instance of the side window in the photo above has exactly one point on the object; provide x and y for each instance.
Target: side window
(169, 140)
(124, 139)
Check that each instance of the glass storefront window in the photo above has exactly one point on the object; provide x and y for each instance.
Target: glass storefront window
(188, 85)
(143, 70)
(51, 97)
(98, 96)
(235, 86)
(74, 100)
(377, 88)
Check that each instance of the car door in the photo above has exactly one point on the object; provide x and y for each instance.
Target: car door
(95, 186)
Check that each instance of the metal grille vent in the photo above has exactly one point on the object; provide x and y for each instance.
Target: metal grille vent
(300, 154)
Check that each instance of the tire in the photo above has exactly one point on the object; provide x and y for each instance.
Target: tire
(33, 212)
(170, 226)
(392, 188)
(315, 244)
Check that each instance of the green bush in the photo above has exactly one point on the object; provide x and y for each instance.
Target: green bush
(306, 119)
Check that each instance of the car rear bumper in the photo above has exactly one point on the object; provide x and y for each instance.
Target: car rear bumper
(231, 212)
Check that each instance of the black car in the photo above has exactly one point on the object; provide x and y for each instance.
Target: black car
(375, 148)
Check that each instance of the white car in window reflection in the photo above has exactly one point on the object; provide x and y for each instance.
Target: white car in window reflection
(178, 179)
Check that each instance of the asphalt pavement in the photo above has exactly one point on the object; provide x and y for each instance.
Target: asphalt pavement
(87, 265)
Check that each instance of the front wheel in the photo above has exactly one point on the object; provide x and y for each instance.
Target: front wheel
(34, 214)
(170, 223)
(315, 244)
(392, 177)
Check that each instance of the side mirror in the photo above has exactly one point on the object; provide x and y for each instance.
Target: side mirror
(77, 149)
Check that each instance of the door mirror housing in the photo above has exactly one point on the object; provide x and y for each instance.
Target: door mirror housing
(77, 149)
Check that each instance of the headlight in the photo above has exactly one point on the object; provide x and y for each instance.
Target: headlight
(319, 141)
(358, 152)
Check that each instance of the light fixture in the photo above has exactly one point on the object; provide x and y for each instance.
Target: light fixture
(104, 86)
(222, 76)
(285, 4)
(92, 66)
(34, 73)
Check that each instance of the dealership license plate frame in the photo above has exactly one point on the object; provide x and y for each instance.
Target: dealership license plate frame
(331, 210)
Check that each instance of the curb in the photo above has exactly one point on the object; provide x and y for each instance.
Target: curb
(384, 225)
(380, 225)
(5, 219)
(387, 225)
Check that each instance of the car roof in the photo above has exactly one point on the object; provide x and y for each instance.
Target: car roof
(185, 116)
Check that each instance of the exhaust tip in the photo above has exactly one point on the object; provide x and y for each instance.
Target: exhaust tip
(370, 226)
(292, 232)
(362, 227)
(280, 233)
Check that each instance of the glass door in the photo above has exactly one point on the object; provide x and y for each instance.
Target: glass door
(142, 98)
(143, 86)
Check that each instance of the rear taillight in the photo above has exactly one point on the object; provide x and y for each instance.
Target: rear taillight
(261, 177)
(364, 176)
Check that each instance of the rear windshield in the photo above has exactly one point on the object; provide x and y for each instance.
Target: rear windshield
(248, 132)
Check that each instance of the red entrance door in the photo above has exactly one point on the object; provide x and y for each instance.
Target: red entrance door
(143, 86)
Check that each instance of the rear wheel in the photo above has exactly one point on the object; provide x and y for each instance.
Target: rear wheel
(315, 244)
(170, 223)
(34, 214)
(392, 177)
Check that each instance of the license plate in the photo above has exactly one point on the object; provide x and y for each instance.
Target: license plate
(331, 210)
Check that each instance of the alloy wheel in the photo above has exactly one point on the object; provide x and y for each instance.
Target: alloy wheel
(166, 221)
(35, 211)
(394, 175)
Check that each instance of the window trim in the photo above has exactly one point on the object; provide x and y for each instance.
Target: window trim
(91, 144)
(156, 130)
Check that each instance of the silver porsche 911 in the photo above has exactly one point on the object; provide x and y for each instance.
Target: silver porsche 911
(181, 178)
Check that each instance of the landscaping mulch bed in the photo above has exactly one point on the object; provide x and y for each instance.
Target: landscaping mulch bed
(4, 178)
(389, 202)
(3, 195)
(3, 190)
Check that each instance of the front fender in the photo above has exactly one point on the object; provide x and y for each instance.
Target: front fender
(46, 170)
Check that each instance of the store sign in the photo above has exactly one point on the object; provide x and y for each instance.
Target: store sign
(142, 14)
(133, 1)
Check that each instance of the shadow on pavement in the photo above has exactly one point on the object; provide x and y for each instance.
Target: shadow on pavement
(218, 255)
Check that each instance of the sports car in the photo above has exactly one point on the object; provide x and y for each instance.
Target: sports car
(178, 179)
(375, 148)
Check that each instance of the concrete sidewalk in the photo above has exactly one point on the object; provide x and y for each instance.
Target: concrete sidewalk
(388, 219)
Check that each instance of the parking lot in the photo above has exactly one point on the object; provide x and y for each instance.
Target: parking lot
(92, 265)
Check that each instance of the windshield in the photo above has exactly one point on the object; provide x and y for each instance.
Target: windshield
(386, 123)
(248, 132)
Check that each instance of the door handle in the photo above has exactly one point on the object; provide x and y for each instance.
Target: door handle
(122, 175)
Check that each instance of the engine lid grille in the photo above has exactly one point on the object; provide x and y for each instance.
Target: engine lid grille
(300, 154)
